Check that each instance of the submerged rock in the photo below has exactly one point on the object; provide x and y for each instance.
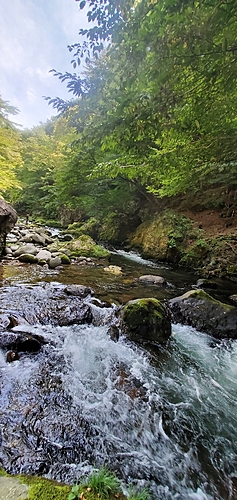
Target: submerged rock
(151, 279)
(20, 342)
(44, 304)
(12, 356)
(113, 332)
(146, 320)
(205, 283)
(198, 309)
(116, 270)
(77, 290)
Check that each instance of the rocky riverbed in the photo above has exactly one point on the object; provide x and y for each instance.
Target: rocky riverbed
(82, 391)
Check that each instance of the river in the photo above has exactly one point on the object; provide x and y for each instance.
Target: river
(159, 417)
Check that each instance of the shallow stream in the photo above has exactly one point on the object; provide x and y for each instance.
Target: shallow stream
(163, 418)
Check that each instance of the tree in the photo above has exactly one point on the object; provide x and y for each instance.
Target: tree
(158, 99)
(10, 148)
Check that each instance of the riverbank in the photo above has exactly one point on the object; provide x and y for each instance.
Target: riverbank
(205, 242)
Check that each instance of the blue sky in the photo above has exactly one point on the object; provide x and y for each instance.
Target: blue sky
(34, 39)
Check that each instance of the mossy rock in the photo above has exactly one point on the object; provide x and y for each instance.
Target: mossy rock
(165, 238)
(28, 258)
(89, 227)
(65, 259)
(86, 246)
(198, 309)
(146, 320)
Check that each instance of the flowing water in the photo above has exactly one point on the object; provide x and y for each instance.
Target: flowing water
(163, 418)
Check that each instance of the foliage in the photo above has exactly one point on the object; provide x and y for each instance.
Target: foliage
(159, 98)
(154, 112)
(10, 148)
(103, 482)
(139, 495)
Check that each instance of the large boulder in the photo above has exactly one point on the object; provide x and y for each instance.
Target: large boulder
(164, 237)
(146, 320)
(200, 310)
(29, 248)
(8, 218)
(86, 246)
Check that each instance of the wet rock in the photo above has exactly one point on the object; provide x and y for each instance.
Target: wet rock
(205, 283)
(128, 384)
(27, 343)
(45, 304)
(200, 310)
(146, 320)
(233, 298)
(12, 356)
(10, 321)
(4, 321)
(152, 279)
(19, 342)
(77, 290)
(51, 434)
(113, 332)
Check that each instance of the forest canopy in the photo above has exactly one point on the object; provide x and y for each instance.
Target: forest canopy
(154, 107)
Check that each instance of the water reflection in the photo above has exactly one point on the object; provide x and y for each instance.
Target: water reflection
(112, 288)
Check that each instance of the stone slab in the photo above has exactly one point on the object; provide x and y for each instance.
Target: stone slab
(12, 489)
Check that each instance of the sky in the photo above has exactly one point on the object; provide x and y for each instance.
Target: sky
(34, 39)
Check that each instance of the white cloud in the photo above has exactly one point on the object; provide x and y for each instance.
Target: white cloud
(34, 39)
(31, 96)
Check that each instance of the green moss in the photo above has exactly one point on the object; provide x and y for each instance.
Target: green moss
(86, 246)
(136, 311)
(90, 227)
(165, 237)
(28, 258)
(73, 226)
(3, 472)
(201, 295)
(44, 489)
(65, 259)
